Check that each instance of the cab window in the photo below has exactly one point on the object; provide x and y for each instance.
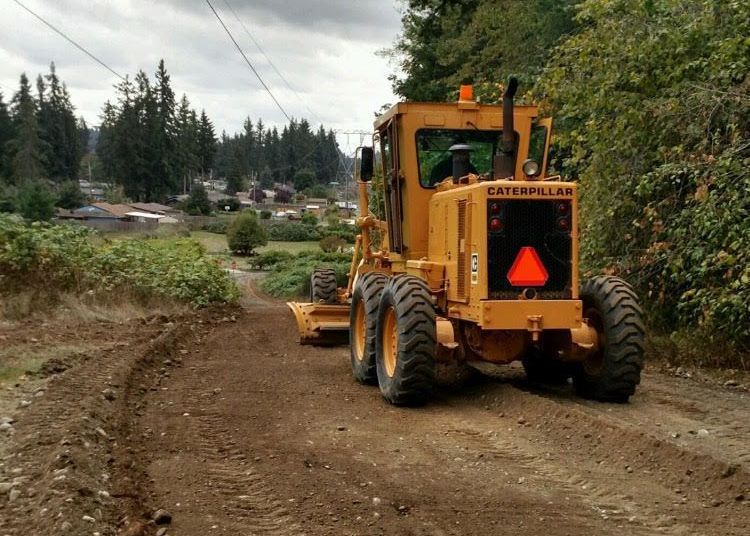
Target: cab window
(537, 143)
(435, 160)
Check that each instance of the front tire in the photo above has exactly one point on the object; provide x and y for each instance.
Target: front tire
(406, 341)
(323, 286)
(363, 319)
(613, 371)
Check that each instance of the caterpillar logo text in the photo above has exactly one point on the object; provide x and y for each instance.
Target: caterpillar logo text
(546, 191)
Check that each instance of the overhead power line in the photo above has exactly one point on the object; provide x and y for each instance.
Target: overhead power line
(271, 63)
(79, 47)
(249, 64)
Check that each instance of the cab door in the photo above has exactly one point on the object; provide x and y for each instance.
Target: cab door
(392, 183)
(541, 135)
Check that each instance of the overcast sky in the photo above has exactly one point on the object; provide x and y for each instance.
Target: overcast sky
(324, 48)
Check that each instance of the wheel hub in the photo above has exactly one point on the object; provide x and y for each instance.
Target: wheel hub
(390, 342)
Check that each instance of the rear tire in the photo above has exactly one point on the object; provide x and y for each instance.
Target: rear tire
(323, 286)
(406, 341)
(612, 373)
(363, 320)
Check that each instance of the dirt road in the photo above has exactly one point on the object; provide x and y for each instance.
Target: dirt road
(257, 435)
(235, 429)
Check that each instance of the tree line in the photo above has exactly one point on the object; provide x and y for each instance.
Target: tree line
(651, 101)
(40, 139)
(296, 156)
(150, 144)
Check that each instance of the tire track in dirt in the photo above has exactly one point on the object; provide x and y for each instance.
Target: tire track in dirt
(62, 452)
(323, 455)
(248, 505)
(234, 498)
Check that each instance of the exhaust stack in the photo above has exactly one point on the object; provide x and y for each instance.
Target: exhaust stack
(504, 165)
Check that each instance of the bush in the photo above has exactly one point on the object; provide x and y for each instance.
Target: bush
(271, 260)
(67, 258)
(332, 243)
(35, 202)
(218, 227)
(70, 196)
(198, 204)
(344, 231)
(291, 278)
(308, 218)
(292, 232)
(265, 214)
(245, 233)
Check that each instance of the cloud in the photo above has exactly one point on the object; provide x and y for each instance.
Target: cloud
(325, 50)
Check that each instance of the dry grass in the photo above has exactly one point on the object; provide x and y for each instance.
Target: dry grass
(86, 308)
(688, 349)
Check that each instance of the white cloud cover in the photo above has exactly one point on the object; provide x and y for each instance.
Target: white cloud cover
(326, 49)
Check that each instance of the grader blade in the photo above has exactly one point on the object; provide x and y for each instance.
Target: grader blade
(321, 324)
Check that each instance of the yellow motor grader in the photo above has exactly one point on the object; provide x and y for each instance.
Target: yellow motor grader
(475, 262)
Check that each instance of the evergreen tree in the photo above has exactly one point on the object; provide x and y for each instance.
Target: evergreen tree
(165, 177)
(198, 204)
(206, 143)
(127, 142)
(186, 148)
(58, 127)
(106, 145)
(7, 133)
(70, 196)
(26, 146)
(35, 202)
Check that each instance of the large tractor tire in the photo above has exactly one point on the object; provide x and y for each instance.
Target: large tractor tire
(613, 371)
(406, 339)
(363, 322)
(323, 286)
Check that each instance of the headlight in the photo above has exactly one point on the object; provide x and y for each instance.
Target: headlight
(530, 168)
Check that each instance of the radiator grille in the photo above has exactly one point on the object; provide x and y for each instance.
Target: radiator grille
(529, 223)
(461, 261)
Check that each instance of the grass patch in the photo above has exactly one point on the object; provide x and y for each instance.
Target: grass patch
(213, 243)
(20, 360)
(291, 247)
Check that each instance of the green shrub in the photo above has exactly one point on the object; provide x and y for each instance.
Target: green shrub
(36, 202)
(348, 233)
(308, 218)
(265, 214)
(270, 260)
(332, 243)
(218, 227)
(198, 204)
(67, 258)
(289, 231)
(245, 233)
(291, 278)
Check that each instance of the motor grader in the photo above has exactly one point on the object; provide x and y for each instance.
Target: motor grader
(475, 262)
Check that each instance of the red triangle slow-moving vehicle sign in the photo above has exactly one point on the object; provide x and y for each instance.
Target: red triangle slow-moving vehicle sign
(527, 269)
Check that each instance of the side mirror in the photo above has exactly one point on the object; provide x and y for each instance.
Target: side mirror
(366, 164)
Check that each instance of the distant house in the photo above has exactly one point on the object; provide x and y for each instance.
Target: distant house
(153, 208)
(347, 209)
(144, 217)
(91, 191)
(104, 211)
